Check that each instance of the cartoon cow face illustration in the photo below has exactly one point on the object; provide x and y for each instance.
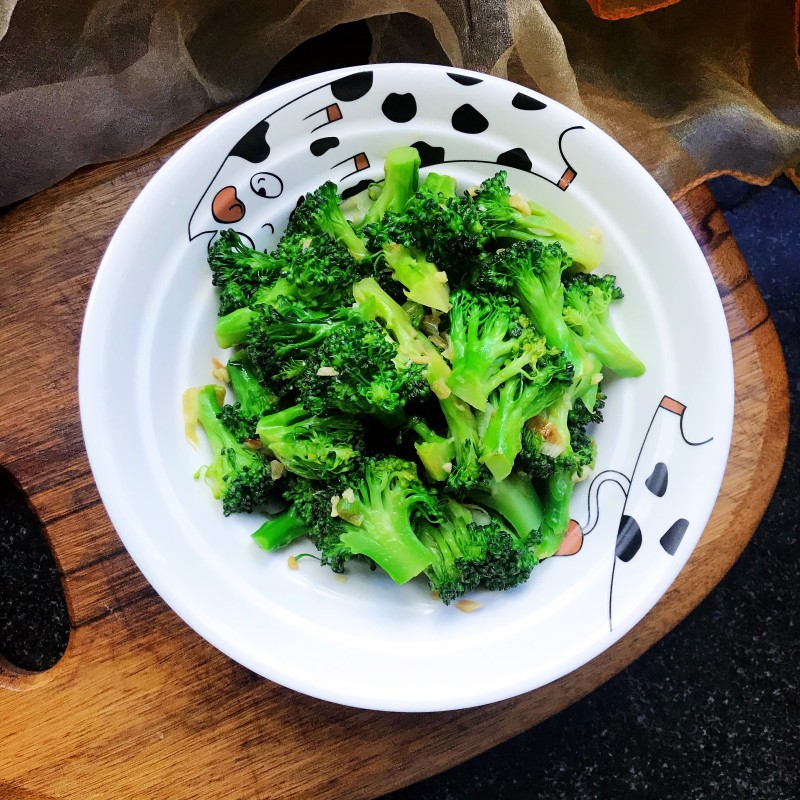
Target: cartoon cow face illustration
(323, 134)
(648, 527)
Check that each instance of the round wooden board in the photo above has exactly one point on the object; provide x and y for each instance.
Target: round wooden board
(140, 706)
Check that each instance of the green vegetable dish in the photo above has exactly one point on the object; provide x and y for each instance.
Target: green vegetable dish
(416, 374)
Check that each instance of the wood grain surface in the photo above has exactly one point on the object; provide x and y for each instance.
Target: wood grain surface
(142, 707)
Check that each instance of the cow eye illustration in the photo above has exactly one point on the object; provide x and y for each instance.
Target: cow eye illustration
(266, 184)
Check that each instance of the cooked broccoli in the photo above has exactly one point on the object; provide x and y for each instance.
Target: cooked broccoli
(492, 341)
(401, 179)
(516, 500)
(506, 216)
(416, 347)
(358, 369)
(280, 340)
(470, 549)
(558, 492)
(252, 400)
(318, 270)
(587, 299)
(307, 502)
(387, 236)
(311, 446)
(320, 213)
(435, 452)
(239, 271)
(475, 348)
(520, 398)
(378, 510)
(238, 474)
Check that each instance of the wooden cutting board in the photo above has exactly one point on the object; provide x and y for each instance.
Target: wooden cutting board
(142, 707)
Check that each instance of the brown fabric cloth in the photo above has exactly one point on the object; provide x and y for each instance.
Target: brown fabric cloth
(692, 88)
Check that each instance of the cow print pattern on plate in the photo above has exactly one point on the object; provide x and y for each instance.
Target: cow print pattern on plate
(657, 480)
(464, 80)
(527, 103)
(516, 158)
(467, 119)
(321, 146)
(429, 154)
(629, 538)
(253, 146)
(399, 107)
(671, 540)
(352, 87)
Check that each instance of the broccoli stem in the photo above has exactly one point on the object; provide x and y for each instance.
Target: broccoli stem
(435, 452)
(441, 184)
(556, 513)
(254, 399)
(401, 179)
(516, 500)
(604, 343)
(516, 401)
(424, 282)
(386, 537)
(280, 530)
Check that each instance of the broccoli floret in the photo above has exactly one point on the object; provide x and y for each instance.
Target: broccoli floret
(378, 511)
(491, 342)
(469, 552)
(279, 341)
(357, 369)
(239, 270)
(401, 179)
(308, 505)
(435, 452)
(424, 282)
(587, 299)
(319, 270)
(462, 426)
(442, 185)
(516, 500)
(320, 213)
(542, 455)
(513, 217)
(252, 400)
(516, 401)
(311, 446)
(444, 227)
(237, 474)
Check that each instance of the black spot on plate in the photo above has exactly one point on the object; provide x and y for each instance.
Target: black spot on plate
(352, 87)
(253, 145)
(321, 146)
(629, 538)
(671, 540)
(467, 119)
(527, 103)
(464, 80)
(359, 187)
(399, 107)
(516, 158)
(657, 482)
(429, 154)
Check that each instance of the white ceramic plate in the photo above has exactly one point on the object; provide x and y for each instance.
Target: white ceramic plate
(363, 641)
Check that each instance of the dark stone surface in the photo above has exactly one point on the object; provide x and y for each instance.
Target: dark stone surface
(712, 712)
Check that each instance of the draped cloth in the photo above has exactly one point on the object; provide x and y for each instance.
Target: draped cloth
(692, 88)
